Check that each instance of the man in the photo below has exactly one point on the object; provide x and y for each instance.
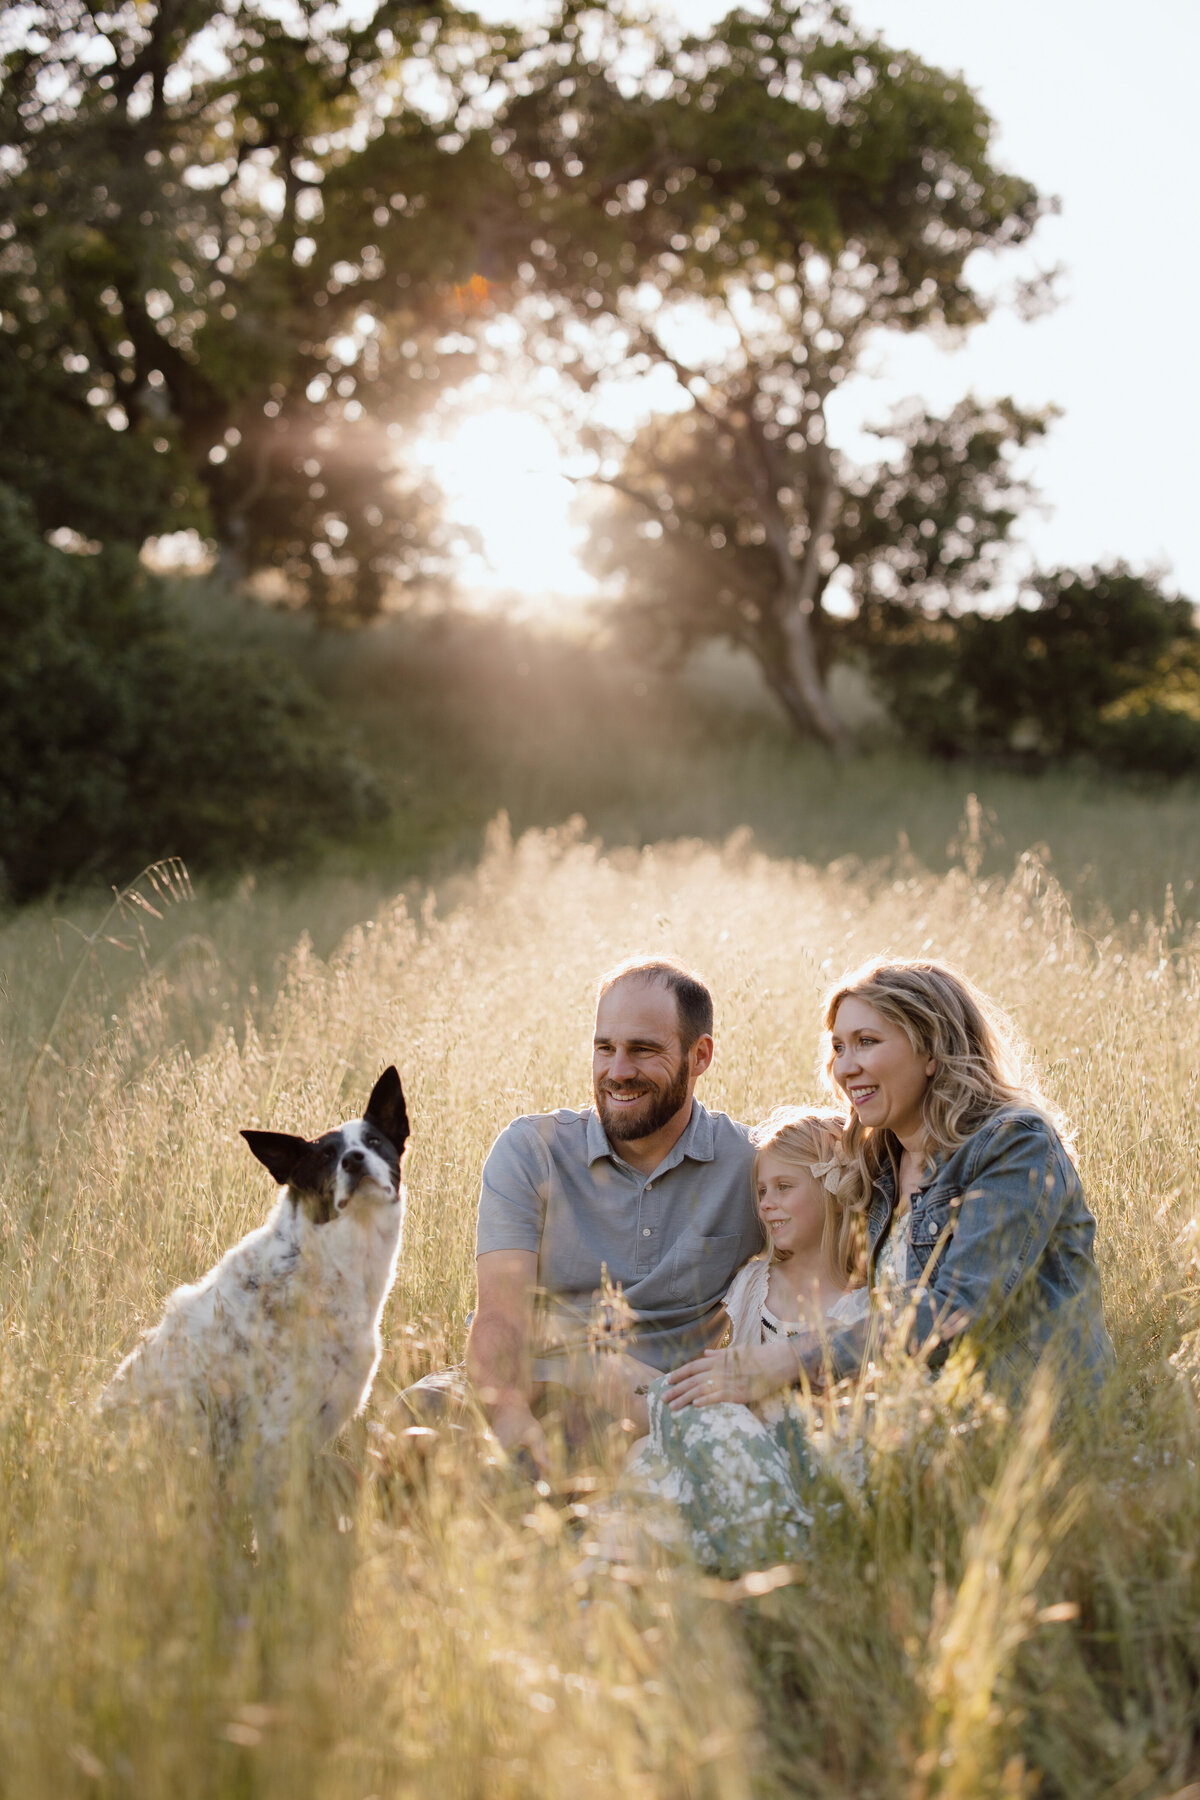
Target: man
(646, 1192)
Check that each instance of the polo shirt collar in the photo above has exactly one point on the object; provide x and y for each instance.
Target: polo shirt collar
(597, 1143)
(696, 1142)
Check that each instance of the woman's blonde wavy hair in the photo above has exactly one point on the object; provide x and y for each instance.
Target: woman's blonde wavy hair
(810, 1139)
(982, 1064)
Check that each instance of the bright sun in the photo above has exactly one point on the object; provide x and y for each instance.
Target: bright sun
(501, 472)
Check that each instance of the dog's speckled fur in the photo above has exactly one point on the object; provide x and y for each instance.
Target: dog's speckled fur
(278, 1345)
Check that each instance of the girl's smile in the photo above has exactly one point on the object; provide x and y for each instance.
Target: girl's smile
(792, 1204)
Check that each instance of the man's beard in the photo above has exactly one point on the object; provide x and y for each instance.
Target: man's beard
(658, 1107)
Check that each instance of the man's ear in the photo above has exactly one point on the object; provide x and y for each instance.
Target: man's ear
(386, 1109)
(701, 1054)
(279, 1151)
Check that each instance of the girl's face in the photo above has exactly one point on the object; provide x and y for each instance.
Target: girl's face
(878, 1070)
(792, 1204)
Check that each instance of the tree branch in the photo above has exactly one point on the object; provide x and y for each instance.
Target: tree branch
(683, 374)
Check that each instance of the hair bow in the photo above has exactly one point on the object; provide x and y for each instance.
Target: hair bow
(829, 1173)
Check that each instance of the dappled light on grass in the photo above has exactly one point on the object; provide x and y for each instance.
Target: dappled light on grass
(993, 1602)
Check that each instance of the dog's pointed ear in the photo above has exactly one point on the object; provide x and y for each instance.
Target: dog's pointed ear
(386, 1109)
(279, 1151)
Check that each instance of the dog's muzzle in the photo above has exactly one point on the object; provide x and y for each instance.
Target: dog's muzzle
(359, 1169)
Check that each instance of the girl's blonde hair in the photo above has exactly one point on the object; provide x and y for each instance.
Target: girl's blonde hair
(981, 1062)
(811, 1139)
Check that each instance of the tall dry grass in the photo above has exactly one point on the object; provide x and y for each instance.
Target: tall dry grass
(1001, 1608)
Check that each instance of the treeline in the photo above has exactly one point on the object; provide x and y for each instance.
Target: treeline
(243, 257)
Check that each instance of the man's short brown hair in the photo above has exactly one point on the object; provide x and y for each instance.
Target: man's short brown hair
(692, 999)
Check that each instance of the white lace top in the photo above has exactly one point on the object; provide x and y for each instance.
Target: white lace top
(751, 1320)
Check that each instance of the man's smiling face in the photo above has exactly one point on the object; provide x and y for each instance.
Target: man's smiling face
(641, 1074)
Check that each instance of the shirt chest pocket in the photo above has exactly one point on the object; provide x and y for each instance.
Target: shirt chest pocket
(701, 1268)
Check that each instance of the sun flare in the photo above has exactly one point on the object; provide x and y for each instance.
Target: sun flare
(501, 472)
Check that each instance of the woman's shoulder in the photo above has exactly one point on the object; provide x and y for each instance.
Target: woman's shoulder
(1020, 1127)
(1018, 1118)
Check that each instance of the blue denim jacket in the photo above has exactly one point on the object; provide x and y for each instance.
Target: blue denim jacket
(1002, 1238)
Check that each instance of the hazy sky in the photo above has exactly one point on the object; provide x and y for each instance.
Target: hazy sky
(1094, 101)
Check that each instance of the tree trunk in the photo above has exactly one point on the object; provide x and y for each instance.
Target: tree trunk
(778, 678)
(798, 587)
(805, 675)
(798, 578)
(233, 561)
(231, 565)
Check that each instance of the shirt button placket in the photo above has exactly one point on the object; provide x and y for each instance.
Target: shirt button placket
(646, 1244)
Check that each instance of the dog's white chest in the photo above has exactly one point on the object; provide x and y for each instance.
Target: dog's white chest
(280, 1342)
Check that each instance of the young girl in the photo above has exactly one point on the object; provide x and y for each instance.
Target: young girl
(815, 1244)
(728, 1473)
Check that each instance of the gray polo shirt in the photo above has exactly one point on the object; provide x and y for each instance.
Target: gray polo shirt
(672, 1239)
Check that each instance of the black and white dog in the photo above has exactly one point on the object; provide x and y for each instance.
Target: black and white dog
(276, 1348)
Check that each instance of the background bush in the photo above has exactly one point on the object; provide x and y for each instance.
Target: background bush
(1105, 667)
(126, 733)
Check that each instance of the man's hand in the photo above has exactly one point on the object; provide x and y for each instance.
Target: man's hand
(517, 1429)
(742, 1375)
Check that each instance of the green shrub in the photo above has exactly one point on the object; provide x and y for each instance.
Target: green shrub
(1106, 668)
(126, 734)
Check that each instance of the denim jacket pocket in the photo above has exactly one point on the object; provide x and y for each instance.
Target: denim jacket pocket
(930, 1224)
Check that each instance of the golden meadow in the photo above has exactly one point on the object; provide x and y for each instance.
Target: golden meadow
(1005, 1611)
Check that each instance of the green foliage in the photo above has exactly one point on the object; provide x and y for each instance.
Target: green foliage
(126, 735)
(231, 281)
(1105, 666)
(779, 138)
(219, 234)
(928, 521)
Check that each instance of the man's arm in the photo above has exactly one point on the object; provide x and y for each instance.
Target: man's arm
(498, 1348)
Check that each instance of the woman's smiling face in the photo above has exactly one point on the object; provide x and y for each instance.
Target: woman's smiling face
(878, 1070)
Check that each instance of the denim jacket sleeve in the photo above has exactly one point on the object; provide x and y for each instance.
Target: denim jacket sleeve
(994, 1228)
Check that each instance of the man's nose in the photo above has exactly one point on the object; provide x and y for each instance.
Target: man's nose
(621, 1066)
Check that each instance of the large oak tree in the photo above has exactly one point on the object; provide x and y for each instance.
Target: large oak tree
(793, 186)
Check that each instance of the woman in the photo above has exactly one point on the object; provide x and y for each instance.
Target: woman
(976, 1222)
(730, 1475)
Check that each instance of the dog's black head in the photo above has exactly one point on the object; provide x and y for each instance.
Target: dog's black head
(358, 1160)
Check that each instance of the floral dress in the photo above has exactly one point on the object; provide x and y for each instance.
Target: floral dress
(725, 1483)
